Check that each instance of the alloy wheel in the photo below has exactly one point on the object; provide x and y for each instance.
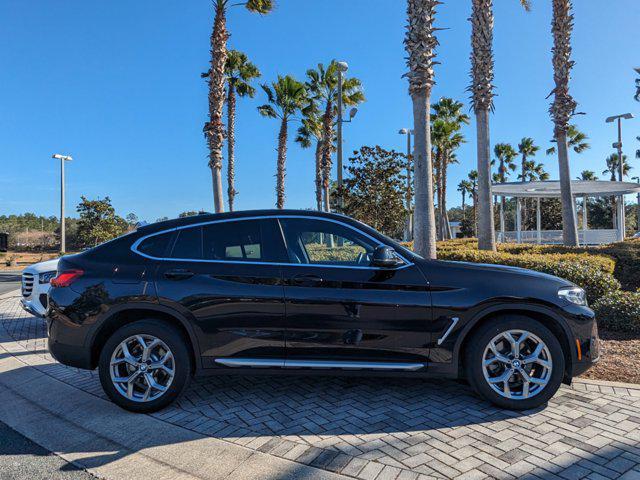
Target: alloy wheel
(517, 364)
(142, 368)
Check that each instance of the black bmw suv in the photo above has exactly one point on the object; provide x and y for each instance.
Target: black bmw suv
(300, 292)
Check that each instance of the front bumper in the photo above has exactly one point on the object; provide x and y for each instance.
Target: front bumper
(34, 307)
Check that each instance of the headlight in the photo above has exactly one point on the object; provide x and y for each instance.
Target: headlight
(46, 276)
(574, 295)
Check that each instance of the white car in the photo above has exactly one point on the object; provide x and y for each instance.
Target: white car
(35, 285)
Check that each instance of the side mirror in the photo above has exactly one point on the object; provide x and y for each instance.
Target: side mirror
(384, 256)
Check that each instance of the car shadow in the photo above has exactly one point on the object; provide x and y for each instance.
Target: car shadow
(338, 419)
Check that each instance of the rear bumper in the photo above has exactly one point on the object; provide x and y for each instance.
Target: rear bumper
(73, 355)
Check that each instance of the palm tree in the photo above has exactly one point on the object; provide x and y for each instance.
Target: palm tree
(322, 85)
(505, 155)
(445, 138)
(613, 165)
(420, 42)
(587, 175)
(286, 97)
(482, 102)
(311, 129)
(239, 72)
(214, 128)
(562, 109)
(576, 140)
(527, 148)
(473, 180)
(464, 187)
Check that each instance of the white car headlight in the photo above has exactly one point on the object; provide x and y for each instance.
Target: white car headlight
(46, 276)
(574, 295)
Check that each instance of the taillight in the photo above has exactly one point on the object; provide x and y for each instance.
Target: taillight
(66, 278)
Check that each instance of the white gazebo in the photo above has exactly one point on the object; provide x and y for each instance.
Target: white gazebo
(551, 189)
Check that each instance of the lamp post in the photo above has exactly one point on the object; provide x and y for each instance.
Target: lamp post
(618, 146)
(62, 158)
(408, 227)
(342, 67)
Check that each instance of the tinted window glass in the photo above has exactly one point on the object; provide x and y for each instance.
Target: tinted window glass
(188, 244)
(240, 240)
(156, 246)
(326, 243)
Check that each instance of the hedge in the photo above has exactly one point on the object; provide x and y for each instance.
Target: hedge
(591, 272)
(619, 311)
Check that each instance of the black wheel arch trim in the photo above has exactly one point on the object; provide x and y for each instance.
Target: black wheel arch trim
(506, 307)
(151, 308)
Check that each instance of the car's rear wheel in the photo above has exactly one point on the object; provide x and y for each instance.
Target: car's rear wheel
(515, 362)
(145, 365)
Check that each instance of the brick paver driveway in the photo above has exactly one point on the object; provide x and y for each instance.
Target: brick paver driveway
(391, 428)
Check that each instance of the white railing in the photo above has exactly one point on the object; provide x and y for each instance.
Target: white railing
(552, 237)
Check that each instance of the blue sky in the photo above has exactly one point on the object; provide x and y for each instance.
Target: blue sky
(117, 85)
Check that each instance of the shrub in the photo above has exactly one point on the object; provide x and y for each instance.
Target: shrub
(619, 311)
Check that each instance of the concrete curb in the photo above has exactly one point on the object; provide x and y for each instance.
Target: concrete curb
(605, 383)
(108, 442)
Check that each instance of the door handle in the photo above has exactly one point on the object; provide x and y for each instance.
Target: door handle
(308, 280)
(178, 274)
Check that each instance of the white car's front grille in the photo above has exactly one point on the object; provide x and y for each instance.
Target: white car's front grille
(27, 284)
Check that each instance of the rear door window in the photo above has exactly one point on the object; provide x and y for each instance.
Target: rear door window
(243, 241)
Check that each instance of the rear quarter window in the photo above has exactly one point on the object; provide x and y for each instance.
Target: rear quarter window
(156, 246)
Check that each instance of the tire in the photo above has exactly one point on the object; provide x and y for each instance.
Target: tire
(545, 373)
(159, 380)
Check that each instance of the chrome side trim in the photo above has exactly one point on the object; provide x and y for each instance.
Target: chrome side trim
(250, 362)
(353, 365)
(134, 246)
(454, 322)
(320, 364)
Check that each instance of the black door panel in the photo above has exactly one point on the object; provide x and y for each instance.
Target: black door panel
(233, 292)
(338, 308)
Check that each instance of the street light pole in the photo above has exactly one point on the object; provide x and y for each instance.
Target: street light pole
(408, 229)
(62, 158)
(618, 145)
(342, 68)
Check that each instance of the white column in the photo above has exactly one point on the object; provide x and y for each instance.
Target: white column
(518, 220)
(621, 222)
(502, 219)
(538, 220)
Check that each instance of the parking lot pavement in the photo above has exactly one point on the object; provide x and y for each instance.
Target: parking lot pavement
(9, 281)
(22, 459)
(385, 428)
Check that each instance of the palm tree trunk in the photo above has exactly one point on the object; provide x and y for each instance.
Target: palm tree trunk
(214, 128)
(447, 225)
(282, 160)
(327, 145)
(486, 228)
(231, 145)
(424, 218)
(438, 191)
(569, 221)
(319, 175)
(562, 109)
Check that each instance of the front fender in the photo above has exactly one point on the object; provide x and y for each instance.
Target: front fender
(536, 311)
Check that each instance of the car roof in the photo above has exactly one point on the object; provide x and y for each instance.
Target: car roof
(210, 217)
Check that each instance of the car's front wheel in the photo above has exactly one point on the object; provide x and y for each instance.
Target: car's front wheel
(145, 365)
(515, 362)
